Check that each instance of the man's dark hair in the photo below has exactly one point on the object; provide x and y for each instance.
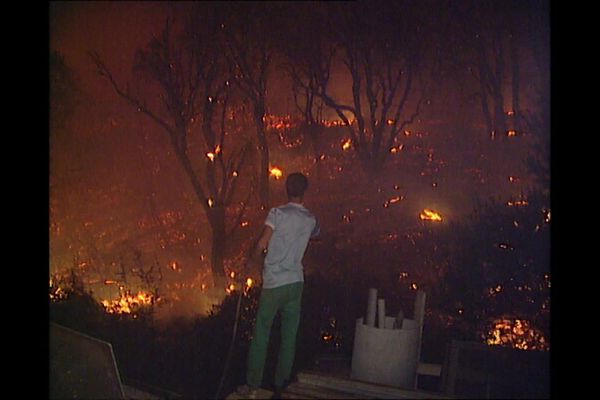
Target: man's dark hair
(296, 184)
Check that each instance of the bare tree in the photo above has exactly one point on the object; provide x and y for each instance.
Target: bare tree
(305, 48)
(490, 32)
(382, 50)
(537, 120)
(195, 94)
(249, 36)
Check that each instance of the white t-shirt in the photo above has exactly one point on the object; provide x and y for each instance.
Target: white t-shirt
(293, 225)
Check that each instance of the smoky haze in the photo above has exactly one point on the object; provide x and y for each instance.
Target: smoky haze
(119, 197)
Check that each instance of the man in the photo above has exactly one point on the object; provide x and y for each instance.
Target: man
(285, 237)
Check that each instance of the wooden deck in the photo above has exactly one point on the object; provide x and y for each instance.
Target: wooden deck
(316, 385)
(262, 394)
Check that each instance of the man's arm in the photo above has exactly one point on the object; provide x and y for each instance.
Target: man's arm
(263, 243)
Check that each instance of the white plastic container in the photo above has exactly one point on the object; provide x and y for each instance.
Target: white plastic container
(386, 356)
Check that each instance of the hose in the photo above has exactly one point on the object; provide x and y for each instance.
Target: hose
(235, 323)
(232, 344)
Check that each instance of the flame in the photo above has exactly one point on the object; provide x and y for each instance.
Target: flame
(210, 202)
(128, 303)
(212, 154)
(516, 333)
(337, 122)
(276, 172)
(512, 132)
(347, 144)
(278, 122)
(56, 293)
(430, 215)
(249, 282)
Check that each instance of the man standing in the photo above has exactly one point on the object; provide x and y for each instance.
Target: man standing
(283, 242)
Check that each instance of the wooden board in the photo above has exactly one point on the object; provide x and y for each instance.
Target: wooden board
(262, 394)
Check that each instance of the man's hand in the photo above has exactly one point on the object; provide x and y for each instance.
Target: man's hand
(263, 243)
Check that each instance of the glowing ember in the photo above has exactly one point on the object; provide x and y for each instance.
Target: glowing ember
(517, 203)
(249, 282)
(276, 172)
(210, 202)
(512, 132)
(211, 156)
(430, 215)
(394, 150)
(495, 290)
(516, 333)
(546, 215)
(392, 201)
(347, 144)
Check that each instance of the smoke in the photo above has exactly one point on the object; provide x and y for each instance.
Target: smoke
(189, 303)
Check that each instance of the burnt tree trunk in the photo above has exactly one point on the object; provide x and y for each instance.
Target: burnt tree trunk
(263, 148)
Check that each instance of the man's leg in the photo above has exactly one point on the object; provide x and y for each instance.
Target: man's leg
(267, 308)
(290, 319)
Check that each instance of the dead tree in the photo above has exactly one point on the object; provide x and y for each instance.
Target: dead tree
(195, 92)
(381, 49)
(304, 48)
(248, 34)
(490, 32)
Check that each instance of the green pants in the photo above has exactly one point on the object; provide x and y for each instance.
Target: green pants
(287, 299)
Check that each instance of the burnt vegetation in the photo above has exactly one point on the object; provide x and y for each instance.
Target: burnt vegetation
(376, 154)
